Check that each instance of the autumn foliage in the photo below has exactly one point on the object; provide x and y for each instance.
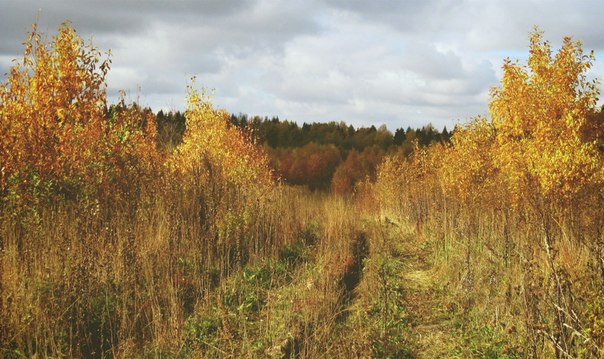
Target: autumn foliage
(101, 226)
(141, 230)
(526, 185)
(356, 168)
(211, 142)
(539, 114)
(55, 134)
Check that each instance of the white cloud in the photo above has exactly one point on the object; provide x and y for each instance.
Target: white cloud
(365, 62)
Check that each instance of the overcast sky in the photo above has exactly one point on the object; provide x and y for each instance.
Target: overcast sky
(365, 62)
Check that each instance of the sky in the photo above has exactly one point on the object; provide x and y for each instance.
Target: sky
(364, 62)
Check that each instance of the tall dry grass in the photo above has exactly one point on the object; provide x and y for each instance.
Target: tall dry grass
(523, 281)
(121, 278)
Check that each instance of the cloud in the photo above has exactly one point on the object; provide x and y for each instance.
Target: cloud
(5, 63)
(365, 62)
(335, 76)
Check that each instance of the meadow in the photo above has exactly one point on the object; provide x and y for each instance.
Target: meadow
(122, 237)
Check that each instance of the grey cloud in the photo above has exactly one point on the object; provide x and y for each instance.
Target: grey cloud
(365, 62)
(403, 15)
(237, 20)
(3, 69)
(49, 15)
(424, 59)
(487, 25)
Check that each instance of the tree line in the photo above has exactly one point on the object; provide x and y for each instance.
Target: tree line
(320, 155)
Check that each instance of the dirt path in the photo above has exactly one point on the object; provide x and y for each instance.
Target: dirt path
(431, 334)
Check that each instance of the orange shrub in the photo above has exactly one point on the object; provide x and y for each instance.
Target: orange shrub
(54, 135)
(539, 114)
(356, 168)
(213, 149)
(465, 169)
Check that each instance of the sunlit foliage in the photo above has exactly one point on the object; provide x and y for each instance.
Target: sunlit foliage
(526, 185)
(213, 147)
(54, 135)
(466, 168)
(110, 238)
(539, 114)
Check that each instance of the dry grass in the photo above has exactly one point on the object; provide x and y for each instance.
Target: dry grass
(507, 293)
(113, 279)
(307, 275)
(154, 277)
